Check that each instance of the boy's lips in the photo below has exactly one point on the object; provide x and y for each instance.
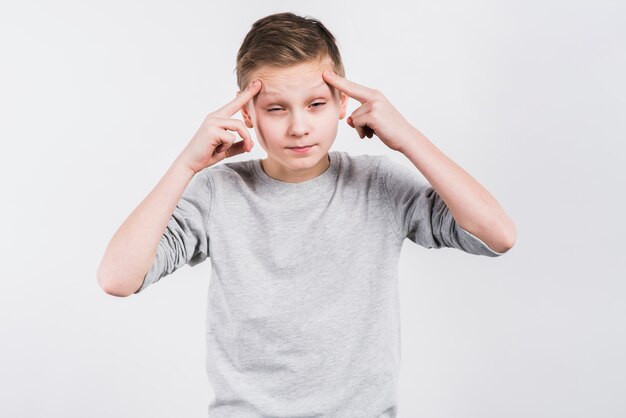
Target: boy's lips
(302, 146)
(301, 150)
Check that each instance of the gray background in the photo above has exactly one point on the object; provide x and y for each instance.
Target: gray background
(98, 98)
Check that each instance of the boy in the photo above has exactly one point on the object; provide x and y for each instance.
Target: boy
(303, 315)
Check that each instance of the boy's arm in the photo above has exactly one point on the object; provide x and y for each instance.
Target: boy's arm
(132, 250)
(167, 229)
(471, 205)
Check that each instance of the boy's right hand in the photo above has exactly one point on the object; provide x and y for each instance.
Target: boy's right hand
(212, 142)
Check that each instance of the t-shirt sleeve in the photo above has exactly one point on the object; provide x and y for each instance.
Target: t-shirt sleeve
(185, 240)
(420, 214)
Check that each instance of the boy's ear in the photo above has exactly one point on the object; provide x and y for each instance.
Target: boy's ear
(343, 105)
(246, 115)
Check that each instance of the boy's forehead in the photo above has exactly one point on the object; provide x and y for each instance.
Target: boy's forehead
(279, 88)
(305, 77)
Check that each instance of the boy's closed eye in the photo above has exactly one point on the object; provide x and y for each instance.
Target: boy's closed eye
(317, 104)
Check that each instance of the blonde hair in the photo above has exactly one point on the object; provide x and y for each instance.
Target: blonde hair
(282, 40)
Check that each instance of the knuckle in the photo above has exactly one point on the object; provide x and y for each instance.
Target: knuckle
(210, 121)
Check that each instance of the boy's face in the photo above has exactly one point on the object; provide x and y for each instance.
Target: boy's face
(295, 107)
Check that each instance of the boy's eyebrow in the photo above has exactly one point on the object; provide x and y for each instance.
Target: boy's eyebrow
(275, 93)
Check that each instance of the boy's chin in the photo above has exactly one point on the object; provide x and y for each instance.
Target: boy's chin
(311, 155)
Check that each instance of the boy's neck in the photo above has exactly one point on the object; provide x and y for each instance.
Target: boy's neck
(279, 172)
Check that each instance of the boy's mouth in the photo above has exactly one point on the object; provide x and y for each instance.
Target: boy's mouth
(301, 149)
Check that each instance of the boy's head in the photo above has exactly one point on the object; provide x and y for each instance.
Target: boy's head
(295, 106)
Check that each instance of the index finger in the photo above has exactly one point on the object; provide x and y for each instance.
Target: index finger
(238, 102)
(352, 89)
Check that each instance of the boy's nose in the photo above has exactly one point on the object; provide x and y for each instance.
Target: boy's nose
(298, 125)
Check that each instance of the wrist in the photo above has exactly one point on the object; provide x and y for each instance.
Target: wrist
(182, 167)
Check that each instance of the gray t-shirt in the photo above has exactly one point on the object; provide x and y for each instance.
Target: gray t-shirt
(303, 312)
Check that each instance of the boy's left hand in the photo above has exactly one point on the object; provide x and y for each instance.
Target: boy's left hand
(376, 115)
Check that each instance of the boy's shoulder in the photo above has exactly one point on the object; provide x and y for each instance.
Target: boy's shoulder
(359, 160)
(232, 170)
(359, 166)
(377, 166)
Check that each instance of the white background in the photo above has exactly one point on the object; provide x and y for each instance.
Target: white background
(98, 98)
